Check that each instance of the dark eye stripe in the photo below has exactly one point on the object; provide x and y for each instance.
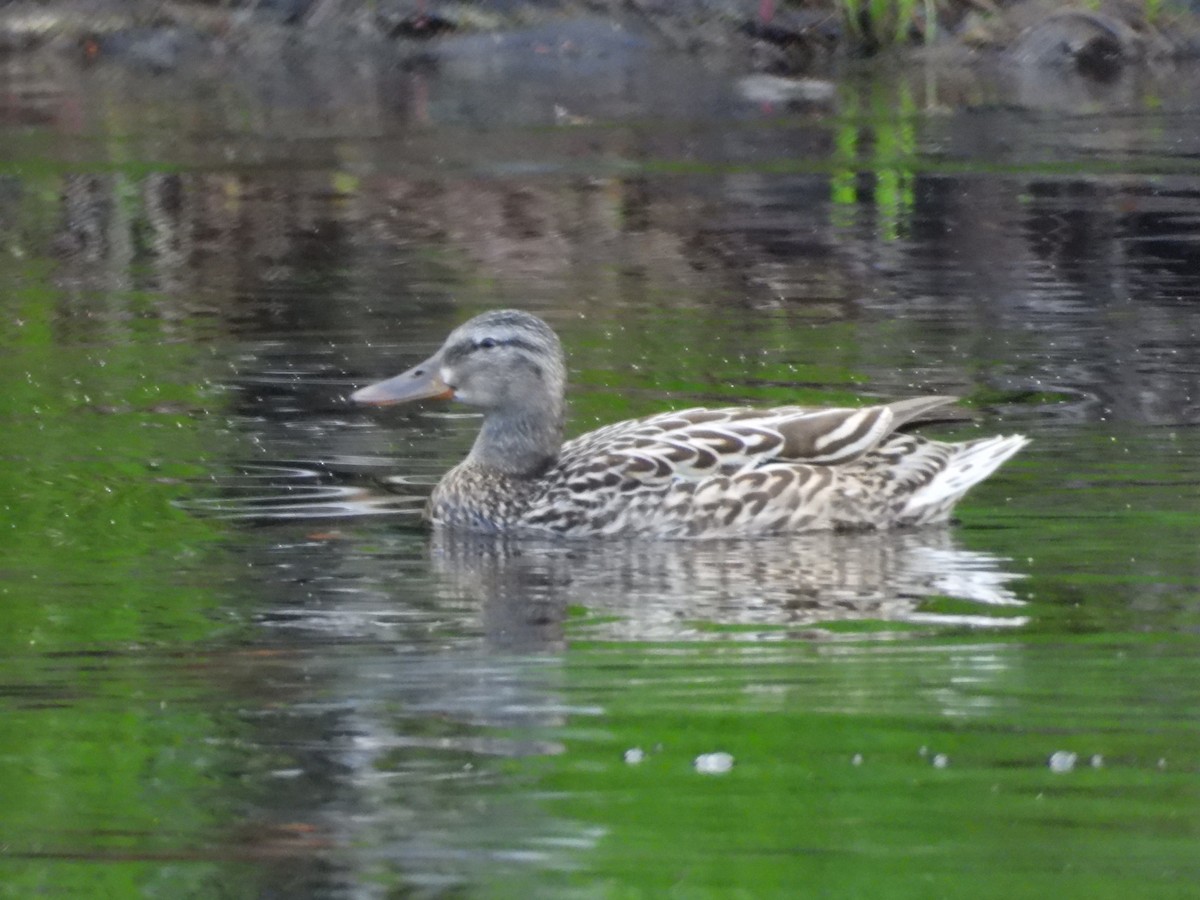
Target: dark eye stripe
(521, 344)
(465, 348)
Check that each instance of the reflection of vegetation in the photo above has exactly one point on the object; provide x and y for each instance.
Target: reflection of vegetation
(881, 141)
(718, 356)
(106, 755)
(833, 785)
(1116, 520)
(95, 434)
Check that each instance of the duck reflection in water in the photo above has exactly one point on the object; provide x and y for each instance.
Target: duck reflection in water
(673, 590)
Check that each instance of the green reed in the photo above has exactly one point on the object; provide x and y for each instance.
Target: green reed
(884, 23)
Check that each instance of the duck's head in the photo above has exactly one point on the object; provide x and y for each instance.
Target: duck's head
(505, 361)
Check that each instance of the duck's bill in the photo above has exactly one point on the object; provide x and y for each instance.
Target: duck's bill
(421, 382)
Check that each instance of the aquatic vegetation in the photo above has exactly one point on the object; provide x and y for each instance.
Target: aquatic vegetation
(876, 24)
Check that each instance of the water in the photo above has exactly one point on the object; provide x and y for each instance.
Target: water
(235, 662)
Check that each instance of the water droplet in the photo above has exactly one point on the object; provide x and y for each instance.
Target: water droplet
(1062, 761)
(713, 763)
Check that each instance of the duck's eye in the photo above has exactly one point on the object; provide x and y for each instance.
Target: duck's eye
(486, 344)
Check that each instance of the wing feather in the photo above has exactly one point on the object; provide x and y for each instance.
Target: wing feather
(738, 471)
(696, 443)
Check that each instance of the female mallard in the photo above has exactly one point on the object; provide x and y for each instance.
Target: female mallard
(697, 473)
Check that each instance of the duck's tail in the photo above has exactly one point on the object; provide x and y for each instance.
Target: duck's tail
(965, 466)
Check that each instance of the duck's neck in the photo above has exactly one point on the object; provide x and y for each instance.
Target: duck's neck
(522, 444)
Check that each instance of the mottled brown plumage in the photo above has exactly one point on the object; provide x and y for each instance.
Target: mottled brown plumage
(691, 474)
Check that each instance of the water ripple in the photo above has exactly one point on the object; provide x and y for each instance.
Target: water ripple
(293, 493)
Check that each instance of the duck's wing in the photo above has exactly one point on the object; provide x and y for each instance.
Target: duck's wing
(695, 443)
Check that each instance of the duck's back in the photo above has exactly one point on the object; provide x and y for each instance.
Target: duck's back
(733, 472)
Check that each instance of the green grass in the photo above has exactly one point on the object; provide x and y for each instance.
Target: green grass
(878, 24)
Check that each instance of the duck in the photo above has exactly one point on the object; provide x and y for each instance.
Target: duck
(730, 472)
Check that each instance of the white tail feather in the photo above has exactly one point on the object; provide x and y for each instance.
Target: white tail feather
(973, 462)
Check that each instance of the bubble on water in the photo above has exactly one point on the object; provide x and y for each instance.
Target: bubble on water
(1062, 761)
(634, 755)
(713, 763)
